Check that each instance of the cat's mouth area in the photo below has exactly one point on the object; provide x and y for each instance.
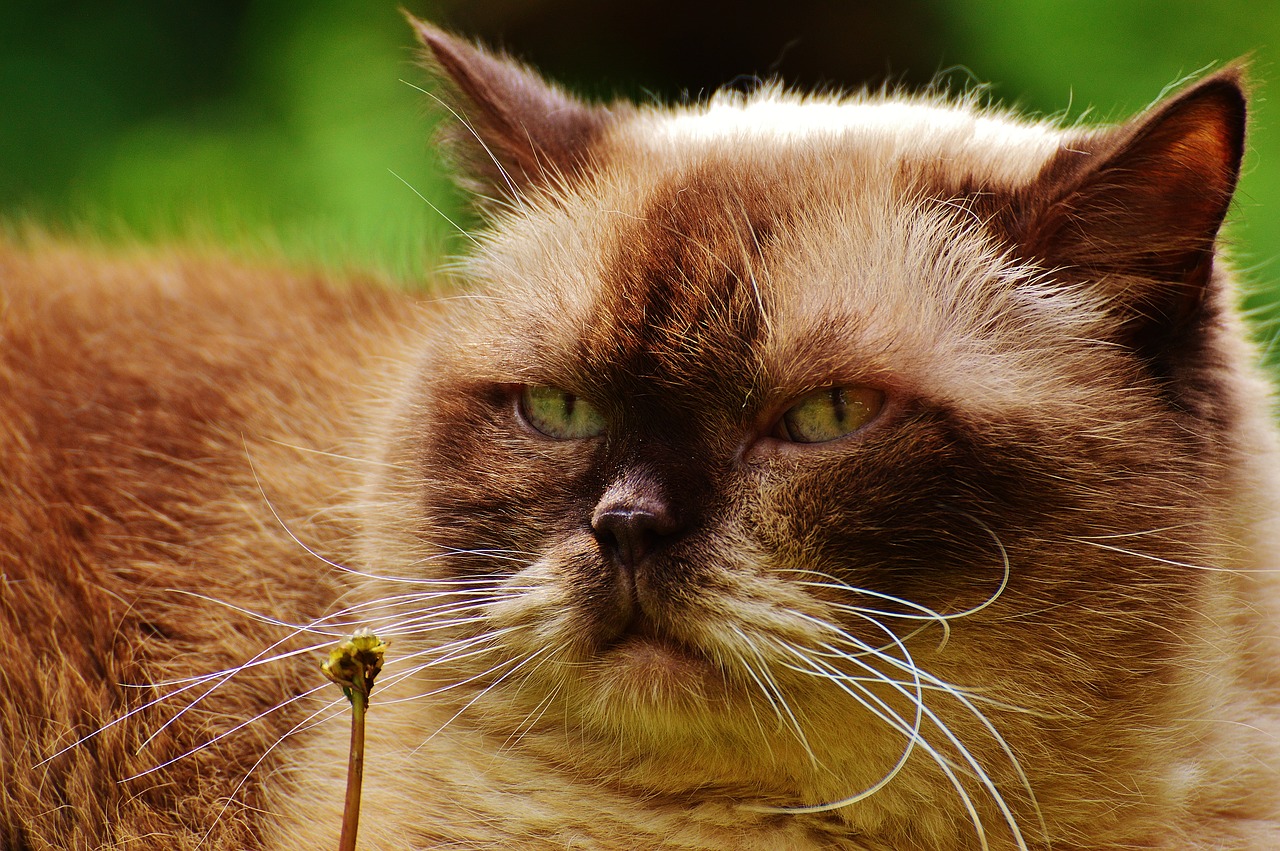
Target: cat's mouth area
(640, 639)
(639, 627)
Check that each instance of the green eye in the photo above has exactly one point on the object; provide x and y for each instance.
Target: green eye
(829, 414)
(559, 413)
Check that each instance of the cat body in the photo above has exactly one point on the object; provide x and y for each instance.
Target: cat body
(791, 473)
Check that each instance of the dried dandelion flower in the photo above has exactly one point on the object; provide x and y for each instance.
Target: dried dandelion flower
(353, 664)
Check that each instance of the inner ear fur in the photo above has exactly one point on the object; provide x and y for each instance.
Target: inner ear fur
(517, 130)
(1136, 210)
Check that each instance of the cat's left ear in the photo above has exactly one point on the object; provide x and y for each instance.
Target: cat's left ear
(1137, 209)
(518, 131)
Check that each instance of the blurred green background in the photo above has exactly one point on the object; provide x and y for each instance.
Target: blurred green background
(285, 128)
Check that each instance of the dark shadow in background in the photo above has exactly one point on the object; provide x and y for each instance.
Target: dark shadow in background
(672, 47)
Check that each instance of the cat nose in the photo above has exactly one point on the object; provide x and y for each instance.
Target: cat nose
(633, 529)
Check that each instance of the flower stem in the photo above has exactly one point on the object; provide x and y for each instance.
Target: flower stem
(355, 774)
(353, 664)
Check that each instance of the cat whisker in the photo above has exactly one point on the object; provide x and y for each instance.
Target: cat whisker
(922, 684)
(340, 567)
(333, 709)
(358, 615)
(403, 617)
(915, 737)
(450, 596)
(882, 711)
(519, 731)
(437, 582)
(452, 651)
(917, 611)
(1006, 572)
(256, 662)
(185, 685)
(429, 624)
(453, 612)
(258, 616)
(516, 197)
(752, 705)
(773, 694)
(395, 677)
(1166, 561)
(120, 720)
(280, 520)
(920, 612)
(927, 615)
(218, 682)
(862, 650)
(516, 665)
(335, 455)
(917, 673)
(974, 767)
(462, 595)
(488, 551)
(1140, 534)
(438, 211)
(222, 677)
(220, 736)
(517, 556)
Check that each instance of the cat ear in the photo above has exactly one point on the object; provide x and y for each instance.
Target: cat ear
(1137, 210)
(519, 131)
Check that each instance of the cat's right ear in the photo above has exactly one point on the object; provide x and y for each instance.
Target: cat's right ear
(1137, 209)
(517, 130)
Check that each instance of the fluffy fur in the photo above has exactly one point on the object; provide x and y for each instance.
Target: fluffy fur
(1031, 602)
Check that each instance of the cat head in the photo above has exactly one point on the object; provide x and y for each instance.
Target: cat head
(795, 449)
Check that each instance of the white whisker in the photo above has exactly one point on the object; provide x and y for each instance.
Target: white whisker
(894, 720)
(331, 710)
(774, 695)
(518, 664)
(225, 733)
(1158, 559)
(506, 178)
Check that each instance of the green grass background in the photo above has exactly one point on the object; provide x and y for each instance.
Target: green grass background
(283, 128)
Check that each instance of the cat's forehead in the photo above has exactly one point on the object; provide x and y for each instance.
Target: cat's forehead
(811, 241)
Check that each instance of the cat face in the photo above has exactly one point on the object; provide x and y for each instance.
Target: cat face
(820, 453)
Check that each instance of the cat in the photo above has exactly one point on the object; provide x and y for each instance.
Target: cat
(779, 472)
